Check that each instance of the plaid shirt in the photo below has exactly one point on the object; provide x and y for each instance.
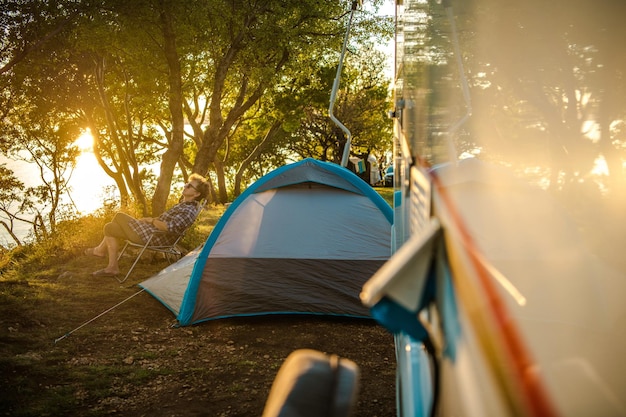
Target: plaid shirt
(178, 219)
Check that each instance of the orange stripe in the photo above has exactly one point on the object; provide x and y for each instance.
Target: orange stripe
(534, 393)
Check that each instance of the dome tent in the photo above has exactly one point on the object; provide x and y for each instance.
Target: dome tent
(303, 239)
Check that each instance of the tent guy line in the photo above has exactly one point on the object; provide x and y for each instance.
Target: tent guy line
(66, 335)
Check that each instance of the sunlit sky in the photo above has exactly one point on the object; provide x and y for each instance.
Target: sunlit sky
(88, 180)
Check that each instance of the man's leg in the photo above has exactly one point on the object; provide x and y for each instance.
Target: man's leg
(118, 228)
(102, 248)
(112, 246)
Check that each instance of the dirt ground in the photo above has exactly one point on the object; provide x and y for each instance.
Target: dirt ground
(132, 362)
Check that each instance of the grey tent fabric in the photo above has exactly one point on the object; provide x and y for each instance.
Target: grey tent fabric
(301, 240)
(170, 284)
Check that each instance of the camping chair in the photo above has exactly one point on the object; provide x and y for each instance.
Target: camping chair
(171, 251)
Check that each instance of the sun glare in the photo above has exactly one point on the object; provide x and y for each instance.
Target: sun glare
(88, 180)
(85, 141)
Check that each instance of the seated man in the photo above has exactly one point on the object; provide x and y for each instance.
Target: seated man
(175, 220)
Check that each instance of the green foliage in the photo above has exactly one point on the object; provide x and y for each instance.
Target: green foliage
(234, 68)
(12, 259)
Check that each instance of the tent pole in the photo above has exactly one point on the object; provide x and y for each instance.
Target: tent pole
(333, 94)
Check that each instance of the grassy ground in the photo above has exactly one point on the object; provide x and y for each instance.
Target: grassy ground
(131, 361)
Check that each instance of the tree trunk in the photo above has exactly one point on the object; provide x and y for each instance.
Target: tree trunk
(205, 155)
(219, 127)
(9, 230)
(117, 176)
(221, 181)
(175, 103)
(271, 133)
(212, 192)
(119, 152)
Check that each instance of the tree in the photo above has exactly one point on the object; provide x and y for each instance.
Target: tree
(37, 127)
(48, 144)
(253, 45)
(127, 100)
(28, 25)
(137, 73)
(175, 105)
(15, 204)
(215, 60)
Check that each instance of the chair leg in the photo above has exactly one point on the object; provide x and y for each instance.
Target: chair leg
(143, 249)
(122, 251)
